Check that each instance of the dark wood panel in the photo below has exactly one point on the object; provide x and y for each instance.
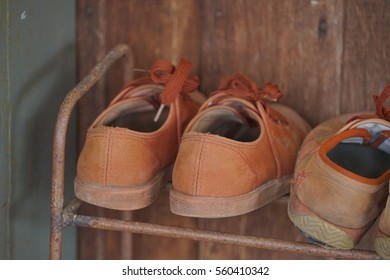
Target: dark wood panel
(91, 35)
(91, 48)
(163, 30)
(366, 63)
(270, 221)
(366, 58)
(310, 61)
(117, 33)
(295, 44)
(158, 248)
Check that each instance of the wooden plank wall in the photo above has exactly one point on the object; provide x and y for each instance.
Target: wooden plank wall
(327, 57)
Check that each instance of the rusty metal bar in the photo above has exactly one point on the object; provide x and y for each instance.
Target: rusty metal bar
(70, 211)
(57, 183)
(220, 237)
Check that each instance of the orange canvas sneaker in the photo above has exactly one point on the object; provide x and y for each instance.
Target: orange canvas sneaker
(130, 148)
(238, 153)
(341, 177)
(382, 241)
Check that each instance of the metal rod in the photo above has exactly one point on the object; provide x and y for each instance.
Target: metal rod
(219, 237)
(57, 182)
(70, 210)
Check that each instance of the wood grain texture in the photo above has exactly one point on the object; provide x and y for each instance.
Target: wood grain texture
(294, 44)
(366, 57)
(117, 33)
(163, 30)
(92, 32)
(366, 63)
(91, 35)
(269, 221)
(91, 48)
(159, 248)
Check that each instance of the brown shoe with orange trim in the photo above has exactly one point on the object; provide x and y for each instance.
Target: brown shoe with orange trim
(130, 148)
(341, 177)
(382, 241)
(238, 153)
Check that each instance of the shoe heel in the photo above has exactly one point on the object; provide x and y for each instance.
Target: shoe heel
(219, 207)
(382, 245)
(120, 198)
(321, 231)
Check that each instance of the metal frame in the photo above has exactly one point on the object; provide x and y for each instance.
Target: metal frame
(64, 216)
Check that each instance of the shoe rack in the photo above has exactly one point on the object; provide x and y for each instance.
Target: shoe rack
(66, 213)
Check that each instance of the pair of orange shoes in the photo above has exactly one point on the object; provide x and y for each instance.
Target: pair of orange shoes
(234, 153)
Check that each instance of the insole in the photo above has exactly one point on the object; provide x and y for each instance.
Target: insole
(363, 160)
(234, 130)
(140, 121)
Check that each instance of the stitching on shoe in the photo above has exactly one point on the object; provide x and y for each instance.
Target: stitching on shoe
(109, 163)
(200, 181)
(197, 189)
(106, 157)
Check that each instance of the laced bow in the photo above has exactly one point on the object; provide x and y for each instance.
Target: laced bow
(382, 111)
(174, 79)
(240, 85)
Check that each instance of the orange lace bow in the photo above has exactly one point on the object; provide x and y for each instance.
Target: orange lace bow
(382, 111)
(240, 85)
(175, 80)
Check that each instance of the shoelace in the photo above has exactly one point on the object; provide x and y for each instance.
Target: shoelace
(239, 85)
(382, 111)
(174, 79)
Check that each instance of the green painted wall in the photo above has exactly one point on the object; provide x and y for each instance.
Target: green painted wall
(37, 69)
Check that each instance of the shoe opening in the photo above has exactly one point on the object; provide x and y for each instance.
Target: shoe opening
(137, 115)
(367, 159)
(232, 124)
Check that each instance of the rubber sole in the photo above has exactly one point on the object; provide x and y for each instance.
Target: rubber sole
(321, 231)
(219, 207)
(382, 246)
(121, 198)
